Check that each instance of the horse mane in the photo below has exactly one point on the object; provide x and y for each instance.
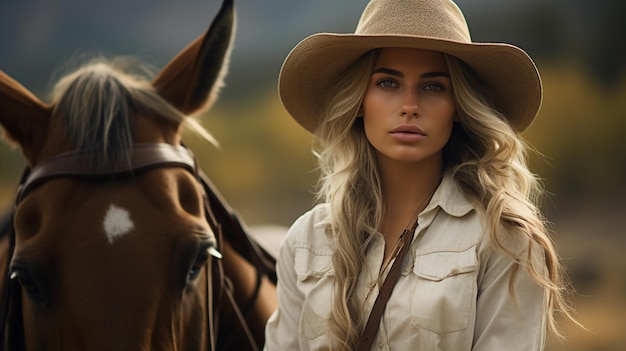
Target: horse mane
(97, 103)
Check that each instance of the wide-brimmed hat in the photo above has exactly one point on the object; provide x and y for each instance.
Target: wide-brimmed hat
(439, 25)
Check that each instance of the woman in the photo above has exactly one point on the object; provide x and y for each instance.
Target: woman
(417, 132)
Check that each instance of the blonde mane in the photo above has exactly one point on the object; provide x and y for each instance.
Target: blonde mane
(98, 100)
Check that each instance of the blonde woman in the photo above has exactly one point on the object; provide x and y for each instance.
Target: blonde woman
(427, 235)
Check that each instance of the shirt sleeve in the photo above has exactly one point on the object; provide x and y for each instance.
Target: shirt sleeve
(504, 322)
(281, 331)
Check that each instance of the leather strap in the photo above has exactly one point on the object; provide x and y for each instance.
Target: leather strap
(371, 328)
(75, 164)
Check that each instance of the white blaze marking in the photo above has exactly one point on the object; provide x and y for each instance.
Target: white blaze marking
(117, 223)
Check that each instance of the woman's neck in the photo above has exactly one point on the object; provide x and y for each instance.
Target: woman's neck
(406, 190)
(405, 185)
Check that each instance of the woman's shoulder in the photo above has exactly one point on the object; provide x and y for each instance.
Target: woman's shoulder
(314, 217)
(310, 228)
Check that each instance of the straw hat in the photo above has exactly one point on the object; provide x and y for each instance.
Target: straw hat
(439, 25)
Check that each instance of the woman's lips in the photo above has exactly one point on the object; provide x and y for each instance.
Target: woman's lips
(407, 133)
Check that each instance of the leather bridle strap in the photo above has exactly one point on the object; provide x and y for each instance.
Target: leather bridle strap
(216, 206)
(76, 164)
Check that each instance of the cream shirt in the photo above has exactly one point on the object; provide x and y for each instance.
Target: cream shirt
(453, 293)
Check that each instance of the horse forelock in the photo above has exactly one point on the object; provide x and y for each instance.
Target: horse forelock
(97, 104)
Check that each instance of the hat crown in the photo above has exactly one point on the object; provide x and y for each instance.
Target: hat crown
(441, 19)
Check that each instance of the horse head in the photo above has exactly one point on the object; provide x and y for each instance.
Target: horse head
(116, 242)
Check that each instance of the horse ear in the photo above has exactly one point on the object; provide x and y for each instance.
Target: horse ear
(23, 116)
(192, 79)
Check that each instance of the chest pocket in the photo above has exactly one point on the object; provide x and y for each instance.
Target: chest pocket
(311, 263)
(445, 290)
(315, 279)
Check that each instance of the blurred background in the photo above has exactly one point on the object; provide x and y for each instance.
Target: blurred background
(265, 168)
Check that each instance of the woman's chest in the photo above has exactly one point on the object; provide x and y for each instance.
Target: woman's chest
(432, 303)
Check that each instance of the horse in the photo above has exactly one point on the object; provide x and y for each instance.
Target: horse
(117, 240)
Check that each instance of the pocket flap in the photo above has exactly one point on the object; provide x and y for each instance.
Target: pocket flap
(312, 264)
(439, 265)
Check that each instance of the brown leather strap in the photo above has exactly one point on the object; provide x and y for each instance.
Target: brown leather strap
(371, 328)
(235, 227)
(265, 264)
(74, 164)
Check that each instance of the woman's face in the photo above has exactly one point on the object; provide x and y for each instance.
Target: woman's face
(408, 108)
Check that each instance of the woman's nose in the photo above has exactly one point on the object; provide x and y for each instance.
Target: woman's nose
(410, 106)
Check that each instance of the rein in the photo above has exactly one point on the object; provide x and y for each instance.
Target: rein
(143, 157)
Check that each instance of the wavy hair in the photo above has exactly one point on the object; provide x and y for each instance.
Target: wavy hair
(350, 183)
(486, 156)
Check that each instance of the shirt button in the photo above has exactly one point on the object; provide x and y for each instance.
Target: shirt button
(380, 344)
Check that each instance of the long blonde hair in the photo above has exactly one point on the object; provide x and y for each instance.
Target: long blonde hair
(486, 156)
(350, 183)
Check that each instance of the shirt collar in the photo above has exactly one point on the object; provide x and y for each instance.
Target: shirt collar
(451, 198)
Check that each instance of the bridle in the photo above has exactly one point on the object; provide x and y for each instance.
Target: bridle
(143, 157)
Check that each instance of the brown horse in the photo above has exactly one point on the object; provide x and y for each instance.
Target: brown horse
(115, 238)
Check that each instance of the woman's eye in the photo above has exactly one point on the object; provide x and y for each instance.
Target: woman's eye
(386, 83)
(434, 87)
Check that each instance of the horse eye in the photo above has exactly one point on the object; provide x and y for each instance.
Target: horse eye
(201, 259)
(194, 272)
(29, 285)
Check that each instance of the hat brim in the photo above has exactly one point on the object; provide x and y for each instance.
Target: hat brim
(311, 66)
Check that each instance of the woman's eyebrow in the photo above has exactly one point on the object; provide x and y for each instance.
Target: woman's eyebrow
(396, 73)
(435, 75)
(390, 71)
